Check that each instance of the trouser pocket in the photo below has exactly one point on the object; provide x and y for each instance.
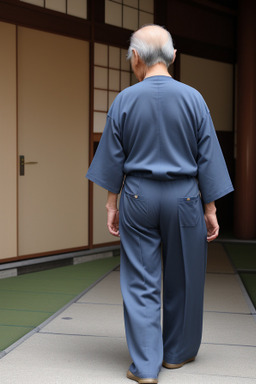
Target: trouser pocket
(190, 209)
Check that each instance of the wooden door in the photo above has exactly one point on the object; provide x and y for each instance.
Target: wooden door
(53, 126)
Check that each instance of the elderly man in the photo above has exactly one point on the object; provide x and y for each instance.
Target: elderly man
(159, 146)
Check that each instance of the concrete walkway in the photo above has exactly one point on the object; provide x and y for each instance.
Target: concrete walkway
(86, 342)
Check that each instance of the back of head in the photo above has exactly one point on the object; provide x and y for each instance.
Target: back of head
(153, 44)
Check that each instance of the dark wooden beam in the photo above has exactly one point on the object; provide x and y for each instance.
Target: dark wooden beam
(109, 34)
(204, 50)
(190, 21)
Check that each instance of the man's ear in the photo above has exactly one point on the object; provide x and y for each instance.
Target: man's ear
(135, 57)
(174, 56)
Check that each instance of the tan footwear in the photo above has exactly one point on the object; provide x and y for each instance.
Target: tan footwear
(174, 366)
(140, 380)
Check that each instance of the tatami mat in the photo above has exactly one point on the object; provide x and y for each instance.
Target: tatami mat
(27, 301)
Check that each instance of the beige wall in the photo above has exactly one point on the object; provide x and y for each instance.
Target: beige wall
(8, 152)
(214, 80)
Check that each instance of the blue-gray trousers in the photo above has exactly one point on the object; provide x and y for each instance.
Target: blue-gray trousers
(162, 227)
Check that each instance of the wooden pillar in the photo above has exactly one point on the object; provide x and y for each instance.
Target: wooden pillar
(245, 193)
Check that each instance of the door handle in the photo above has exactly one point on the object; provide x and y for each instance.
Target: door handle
(23, 163)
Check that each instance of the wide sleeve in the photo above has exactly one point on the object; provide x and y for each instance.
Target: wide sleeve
(106, 168)
(213, 176)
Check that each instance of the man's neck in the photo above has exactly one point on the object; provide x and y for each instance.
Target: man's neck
(158, 69)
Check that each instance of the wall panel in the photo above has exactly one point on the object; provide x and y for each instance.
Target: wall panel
(214, 80)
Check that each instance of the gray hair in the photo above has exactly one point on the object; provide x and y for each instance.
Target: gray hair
(152, 53)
